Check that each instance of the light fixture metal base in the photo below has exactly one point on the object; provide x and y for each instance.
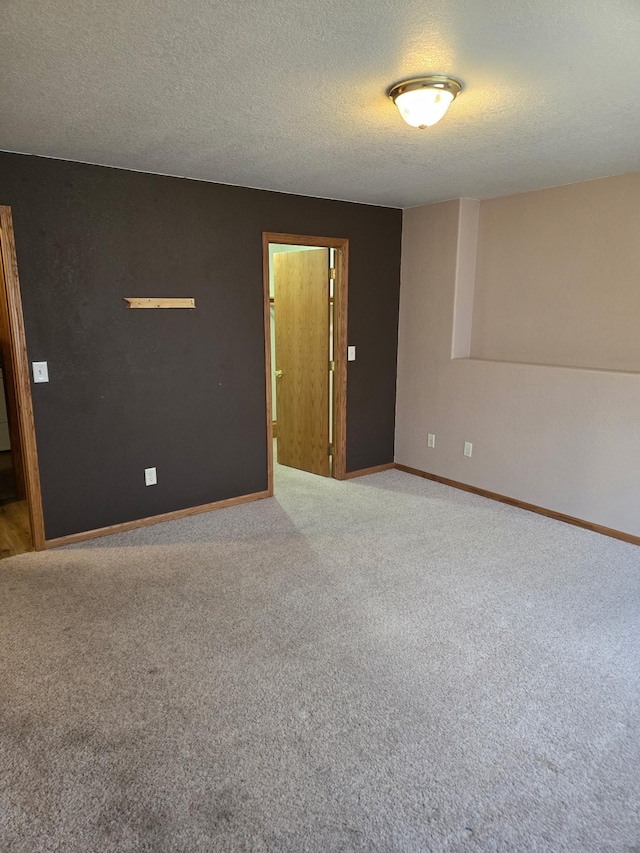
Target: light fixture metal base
(434, 81)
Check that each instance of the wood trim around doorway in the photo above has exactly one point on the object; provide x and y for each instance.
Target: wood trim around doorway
(340, 303)
(11, 307)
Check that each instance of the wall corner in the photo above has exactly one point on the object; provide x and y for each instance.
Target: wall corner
(466, 250)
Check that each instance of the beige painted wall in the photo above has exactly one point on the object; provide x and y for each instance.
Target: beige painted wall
(562, 438)
(558, 276)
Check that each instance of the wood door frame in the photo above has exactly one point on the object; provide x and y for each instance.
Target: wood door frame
(19, 383)
(340, 302)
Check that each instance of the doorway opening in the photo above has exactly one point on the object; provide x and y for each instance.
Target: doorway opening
(21, 520)
(305, 314)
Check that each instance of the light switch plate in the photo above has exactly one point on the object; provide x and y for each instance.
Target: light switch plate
(351, 353)
(431, 440)
(150, 477)
(468, 448)
(40, 371)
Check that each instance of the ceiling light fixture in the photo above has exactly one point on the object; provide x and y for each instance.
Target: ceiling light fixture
(423, 101)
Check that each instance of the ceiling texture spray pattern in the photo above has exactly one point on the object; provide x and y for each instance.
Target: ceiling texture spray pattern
(291, 96)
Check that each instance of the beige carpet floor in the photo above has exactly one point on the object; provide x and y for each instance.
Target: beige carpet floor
(384, 664)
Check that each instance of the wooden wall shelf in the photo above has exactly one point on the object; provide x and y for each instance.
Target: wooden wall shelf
(158, 302)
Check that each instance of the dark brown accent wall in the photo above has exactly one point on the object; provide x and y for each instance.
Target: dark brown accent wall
(180, 390)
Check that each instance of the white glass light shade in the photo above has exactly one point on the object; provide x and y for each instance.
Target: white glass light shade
(424, 100)
(423, 107)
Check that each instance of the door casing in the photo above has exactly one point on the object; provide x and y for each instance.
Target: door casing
(340, 302)
(19, 383)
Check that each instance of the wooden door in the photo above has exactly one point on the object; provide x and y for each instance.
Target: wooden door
(301, 303)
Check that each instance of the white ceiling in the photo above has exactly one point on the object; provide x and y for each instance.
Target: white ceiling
(290, 95)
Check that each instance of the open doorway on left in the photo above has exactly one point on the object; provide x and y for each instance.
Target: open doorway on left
(15, 527)
(8, 482)
(15, 530)
(21, 520)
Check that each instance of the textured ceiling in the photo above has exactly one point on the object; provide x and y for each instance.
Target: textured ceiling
(290, 95)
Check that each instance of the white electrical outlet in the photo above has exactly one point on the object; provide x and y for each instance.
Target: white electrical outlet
(351, 353)
(468, 448)
(150, 477)
(431, 440)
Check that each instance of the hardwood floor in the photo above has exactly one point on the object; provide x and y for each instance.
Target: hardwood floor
(15, 530)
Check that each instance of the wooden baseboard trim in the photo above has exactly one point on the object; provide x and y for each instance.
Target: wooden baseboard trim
(549, 513)
(154, 519)
(362, 472)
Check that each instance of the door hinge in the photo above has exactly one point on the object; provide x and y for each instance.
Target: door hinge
(332, 274)
(332, 365)
(331, 450)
